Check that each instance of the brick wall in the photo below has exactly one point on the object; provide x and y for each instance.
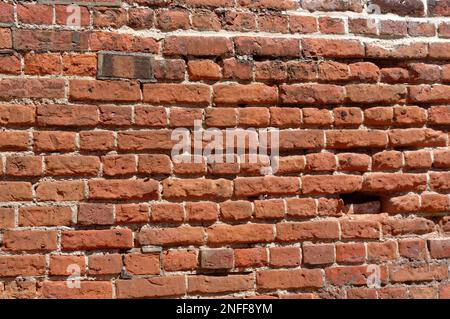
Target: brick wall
(359, 207)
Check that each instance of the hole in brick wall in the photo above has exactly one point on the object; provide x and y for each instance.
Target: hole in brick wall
(359, 198)
(361, 203)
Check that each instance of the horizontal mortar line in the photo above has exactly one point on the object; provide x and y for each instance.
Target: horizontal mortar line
(160, 35)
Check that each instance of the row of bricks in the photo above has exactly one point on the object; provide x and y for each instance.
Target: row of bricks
(196, 94)
(219, 189)
(208, 70)
(226, 259)
(364, 227)
(214, 46)
(415, 8)
(152, 289)
(231, 20)
(50, 115)
(160, 164)
(210, 212)
(161, 140)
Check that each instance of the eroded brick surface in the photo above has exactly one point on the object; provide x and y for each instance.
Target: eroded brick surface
(87, 114)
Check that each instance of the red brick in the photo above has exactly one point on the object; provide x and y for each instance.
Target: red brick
(217, 284)
(123, 189)
(239, 21)
(132, 214)
(325, 184)
(415, 249)
(401, 204)
(7, 12)
(178, 260)
(60, 191)
(10, 64)
(396, 182)
(353, 162)
(63, 265)
(250, 257)
(50, 40)
(350, 253)
(269, 209)
(110, 264)
(382, 252)
(183, 235)
(112, 115)
(289, 279)
(116, 165)
(422, 137)
(173, 69)
(395, 227)
(351, 275)
(216, 258)
(205, 21)
(256, 186)
(439, 115)
(31, 88)
(239, 234)
(140, 18)
(29, 240)
(96, 239)
(167, 213)
(311, 230)
(180, 94)
(106, 41)
(142, 264)
(27, 265)
(34, 13)
(237, 69)
(12, 114)
(285, 256)
(95, 214)
(273, 23)
(80, 64)
(330, 48)
(302, 24)
(197, 46)
(439, 249)
(360, 229)
(428, 93)
(201, 212)
(87, 290)
(236, 94)
(318, 254)
(331, 25)
(15, 191)
(65, 165)
(67, 115)
(311, 94)
(96, 141)
(23, 166)
(42, 64)
(64, 15)
(204, 70)
(150, 116)
(7, 218)
(154, 164)
(408, 273)
(412, 50)
(267, 47)
(54, 141)
(167, 286)
(108, 91)
(45, 216)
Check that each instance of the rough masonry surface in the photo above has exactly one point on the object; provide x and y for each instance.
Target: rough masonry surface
(359, 91)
